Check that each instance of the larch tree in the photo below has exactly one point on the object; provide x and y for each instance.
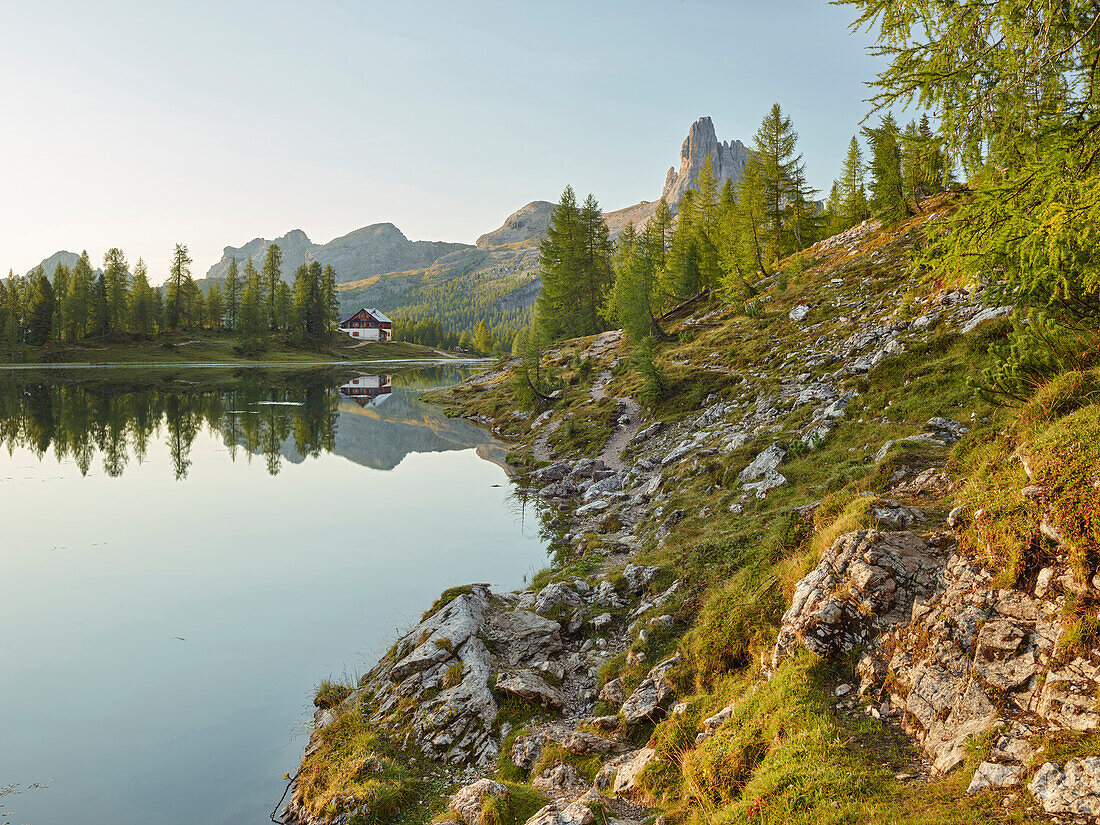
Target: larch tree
(273, 273)
(178, 274)
(1021, 115)
(115, 270)
(888, 199)
(232, 293)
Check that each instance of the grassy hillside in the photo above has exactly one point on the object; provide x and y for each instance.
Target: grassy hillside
(860, 372)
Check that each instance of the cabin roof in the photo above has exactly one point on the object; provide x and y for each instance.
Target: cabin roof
(377, 313)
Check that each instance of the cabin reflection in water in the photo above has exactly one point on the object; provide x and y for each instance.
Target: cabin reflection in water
(368, 390)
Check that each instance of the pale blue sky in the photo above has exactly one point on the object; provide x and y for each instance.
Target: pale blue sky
(139, 124)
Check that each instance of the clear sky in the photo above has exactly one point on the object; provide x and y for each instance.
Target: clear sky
(140, 124)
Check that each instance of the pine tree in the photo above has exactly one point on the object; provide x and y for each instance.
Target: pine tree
(114, 278)
(483, 341)
(888, 200)
(232, 293)
(852, 191)
(273, 273)
(215, 306)
(575, 260)
(41, 311)
(178, 275)
(98, 318)
(779, 166)
(78, 298)
(330, 299)
(143, 305)
(61, 276)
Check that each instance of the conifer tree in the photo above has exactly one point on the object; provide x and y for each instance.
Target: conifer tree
(114, 278)
(888, 200)
(78, 298)
(483, 341)
(41, 310)
(852, 205)
(575, 261)
(178, 275)
(273, 273)
(779, 166)
(98, 318)
(215, 306)
(60, 293)
(232, 293)
(143, 304)
(330, 299)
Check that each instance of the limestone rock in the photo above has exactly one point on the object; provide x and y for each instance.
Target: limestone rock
(529, 685)
(865, 583)
(559, 779)
(527, 222)
(555, 595)
(628, 772)
(728, 160)
(613, 692)
(991, 775)
(524, 638)
(526, 750)
(767, 460)
(650, 699)
(985, 315)
(1072, 790)
(638, 576)
(575, 813)
(469, 800)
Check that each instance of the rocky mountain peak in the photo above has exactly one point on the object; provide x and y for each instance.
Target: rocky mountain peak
(727, 157)
(527, 222)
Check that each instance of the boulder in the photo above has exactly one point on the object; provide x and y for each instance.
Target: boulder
(638, 576)
(652, 697)
(555, 595)
(575, 813)
(468, 801)
(799, 312)
(613, 692)
(992, 775)
(628, 772)
(522, 637)
(985, 315)
(767, 460)
(864, 585)
(1073, 790)
(526, 750)
(559, 780)
(529, 685)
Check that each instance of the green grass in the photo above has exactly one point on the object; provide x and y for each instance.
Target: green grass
(212, 347)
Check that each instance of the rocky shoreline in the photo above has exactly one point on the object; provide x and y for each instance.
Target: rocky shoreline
(516, 690)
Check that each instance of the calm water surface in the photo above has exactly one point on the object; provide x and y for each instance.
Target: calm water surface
(182, 561)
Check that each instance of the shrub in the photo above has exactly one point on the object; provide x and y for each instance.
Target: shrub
(329, 694)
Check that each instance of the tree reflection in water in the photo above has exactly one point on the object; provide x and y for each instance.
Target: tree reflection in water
(116, 420)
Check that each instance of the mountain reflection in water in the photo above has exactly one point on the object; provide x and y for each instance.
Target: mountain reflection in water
(279, 418)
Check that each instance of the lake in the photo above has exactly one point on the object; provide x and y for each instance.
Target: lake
(184, 557)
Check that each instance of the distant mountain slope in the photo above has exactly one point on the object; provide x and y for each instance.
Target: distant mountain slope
(527, 222)
(371, 250)
(499, 279)
(68, 258)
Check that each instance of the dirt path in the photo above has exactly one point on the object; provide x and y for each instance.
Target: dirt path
(630, 420)
(541, 448)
